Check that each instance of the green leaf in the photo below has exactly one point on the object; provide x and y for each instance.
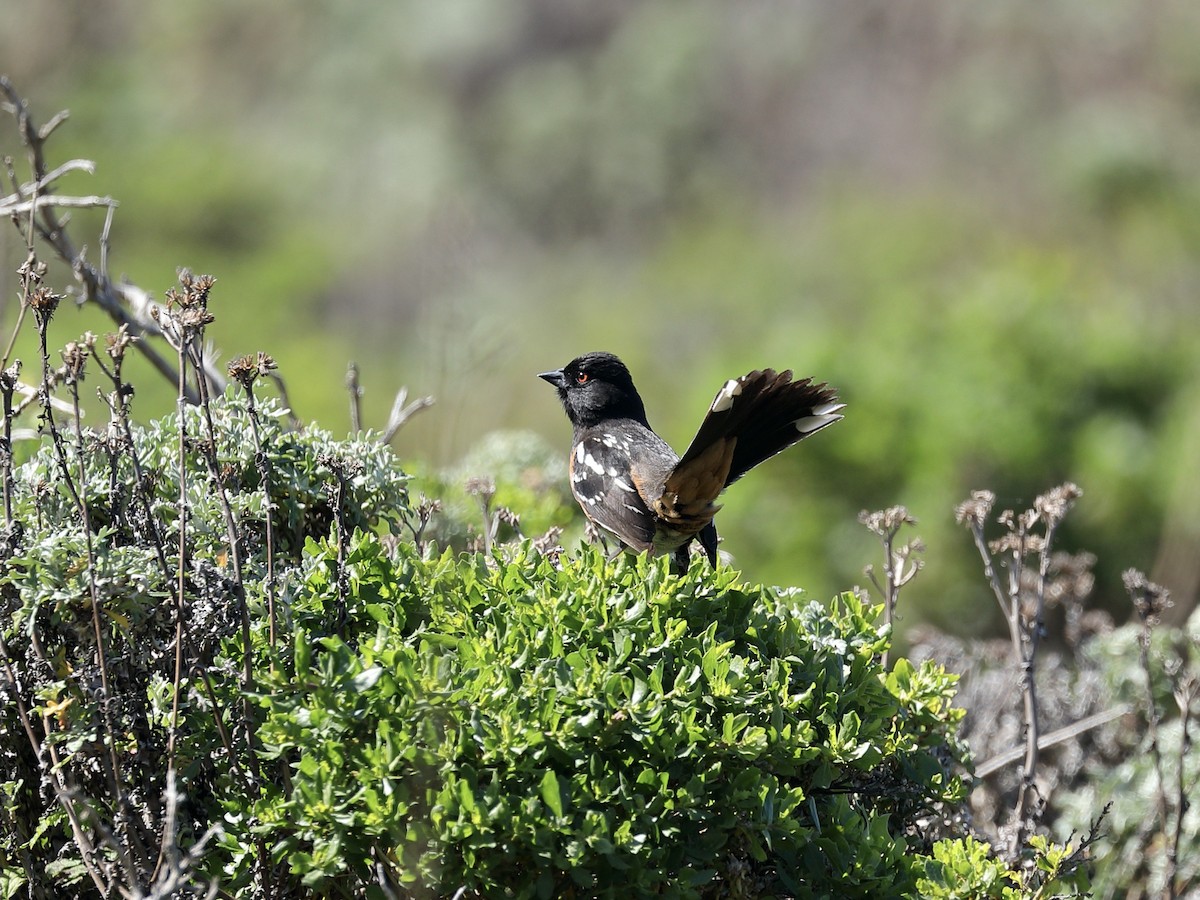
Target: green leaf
(367, 679)
(550, 793)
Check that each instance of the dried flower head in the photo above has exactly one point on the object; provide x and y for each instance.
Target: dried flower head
(193, 293)
(44, 302)
(31, 272)
(886, 522)
(195, 317)
(75, 356)
(1053, 505)
(343, 467)
(1150, 600)
(116, 343)
(974, 511)
(245, 370)
(550, 542)
(481, 487)
(266, 363)
(1017, 543)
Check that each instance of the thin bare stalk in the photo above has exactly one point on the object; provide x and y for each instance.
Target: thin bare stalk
(401, 413)
(222, 731)
(31, 269)
(52, 767)
(343, 469)
(209, 452)
(182, 555)
(1030, 633)
(12, 338)
(901, 566)
(8, 385)
(483, 490)
(356, 393)
(183, 324)
(245, 371)
(44, 303)
(1025, 628)
(280, 385)
(177, 872)
(117, 401)
(1150, 601)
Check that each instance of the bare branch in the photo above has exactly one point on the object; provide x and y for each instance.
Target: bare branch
(11, 205)
(356, 393)
(1057, 736)
(401, 414)
(43, 222)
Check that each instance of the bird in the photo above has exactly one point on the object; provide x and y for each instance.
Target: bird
(633, 486)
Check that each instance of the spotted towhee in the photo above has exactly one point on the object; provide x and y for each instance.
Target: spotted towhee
(634, 486)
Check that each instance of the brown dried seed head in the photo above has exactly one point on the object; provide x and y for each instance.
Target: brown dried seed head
(195, 317)
(243, 370)
(195, 289)
(44, 302)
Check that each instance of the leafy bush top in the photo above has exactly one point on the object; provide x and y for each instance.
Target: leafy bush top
(603, 724)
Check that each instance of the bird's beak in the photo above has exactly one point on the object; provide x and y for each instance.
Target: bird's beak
(555, 378)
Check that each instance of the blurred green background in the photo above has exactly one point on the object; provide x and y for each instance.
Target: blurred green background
(979, 221)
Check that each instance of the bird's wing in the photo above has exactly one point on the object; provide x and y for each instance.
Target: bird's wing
(608, 485)
(750, 420)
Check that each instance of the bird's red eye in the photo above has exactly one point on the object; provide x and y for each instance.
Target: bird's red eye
(582, 378)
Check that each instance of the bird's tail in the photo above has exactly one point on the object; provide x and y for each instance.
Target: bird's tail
(751, 419)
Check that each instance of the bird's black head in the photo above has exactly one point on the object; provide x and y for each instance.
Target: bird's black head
(595, 387)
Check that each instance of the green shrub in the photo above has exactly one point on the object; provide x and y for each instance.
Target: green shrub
(542, 729)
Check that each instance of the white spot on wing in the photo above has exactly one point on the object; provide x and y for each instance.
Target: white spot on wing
(623, 484)
(590, 461)
(809, 424)
(725, 396)
(826, 408)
